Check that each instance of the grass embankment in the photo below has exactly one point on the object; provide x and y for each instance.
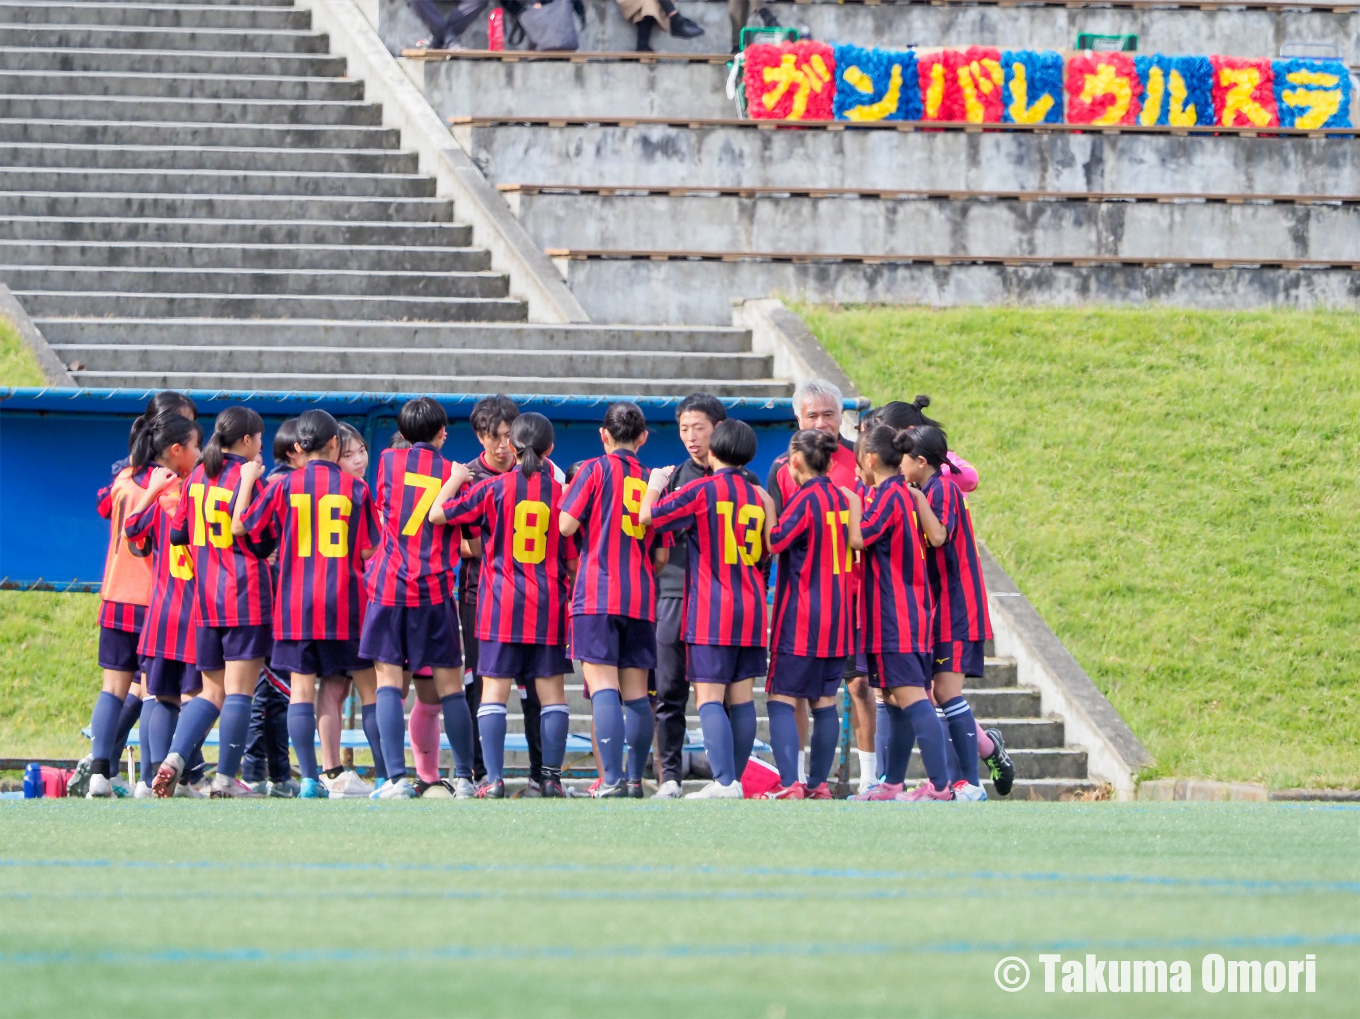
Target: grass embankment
(18, 367)
(1177, 492)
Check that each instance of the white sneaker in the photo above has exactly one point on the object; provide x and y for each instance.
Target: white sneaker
(100, 788)
(121, 789)
(463, 789)
(714, 791)
(670, 790)
(226, 788)
(192, 791)
(143, 792)
(401, 789)
(969, 793)
(347, 786)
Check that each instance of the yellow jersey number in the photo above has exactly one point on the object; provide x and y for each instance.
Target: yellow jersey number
(835, 520)
(529, 544)
(633, 490)
(211, 519)
(429, 488)
(751, 517)
(332, 525)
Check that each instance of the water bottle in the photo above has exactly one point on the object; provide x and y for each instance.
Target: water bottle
(495, 30)
(33, 781)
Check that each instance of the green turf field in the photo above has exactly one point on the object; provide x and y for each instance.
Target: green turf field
(1177, 493)
(620, 909)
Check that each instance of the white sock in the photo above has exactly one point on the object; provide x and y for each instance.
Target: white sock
(868, 767)
(802, 766)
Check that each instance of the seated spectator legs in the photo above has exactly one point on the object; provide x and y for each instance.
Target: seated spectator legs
(444, 31)
(647, 13)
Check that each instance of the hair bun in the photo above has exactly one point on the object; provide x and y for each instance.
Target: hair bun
(921, 402)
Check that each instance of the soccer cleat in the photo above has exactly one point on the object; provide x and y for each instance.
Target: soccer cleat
(532, 790)
(401, 789)
(142, 792)
(615, 791)
(669, 790)
(590, 789)
(552, 788)
(348, 786)
(79, 782)
(261, 787)
(490, 790)
(226, 788)
(441, 790)
(1000, 764)
(925, 792)
(192, 790)
(463, 789)
(121, 788)
(312, 789)
(635, 789)
(797, 791)
(822, 792)
(99, 788)
(288, 789)
(716, 791)
(878, 792)
(167, 776)
(969, 793)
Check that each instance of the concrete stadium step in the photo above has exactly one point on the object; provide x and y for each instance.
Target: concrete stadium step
(183, 62)
(229, 182)
(272, 136)
(139, 108)
(389, 383)
(237, 207)
(238, 358)
(257, 282)
(180, 86)
(301, 334)
(159, 255)
(941, 226)
(226, 231)
(882, 158)
(119, 304)
(191, 157)
(154, 15)
(119, 38)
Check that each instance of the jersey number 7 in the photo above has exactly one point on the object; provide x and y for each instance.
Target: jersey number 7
(429, 488)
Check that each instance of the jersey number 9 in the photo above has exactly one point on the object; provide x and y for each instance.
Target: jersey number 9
(633, 490)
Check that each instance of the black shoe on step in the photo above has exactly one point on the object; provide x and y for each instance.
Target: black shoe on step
(683, 28)
(767, 18)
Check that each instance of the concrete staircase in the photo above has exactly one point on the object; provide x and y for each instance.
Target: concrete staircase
(193, 195)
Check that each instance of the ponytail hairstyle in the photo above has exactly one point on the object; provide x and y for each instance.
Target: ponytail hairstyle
(625, 422)
(816, 448)
(905, 415)
(531, 435)
(885, 442)
(284, 441)
(231, 426)
(315, 429)
(929, 443)
(162, 433)
(398, 441)
(167, 401)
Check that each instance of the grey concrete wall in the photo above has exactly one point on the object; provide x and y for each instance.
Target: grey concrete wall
(660, 155)
(658, 222)
(547, 88)
(702, 292)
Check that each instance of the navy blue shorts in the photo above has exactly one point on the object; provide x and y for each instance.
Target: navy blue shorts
(318, 657)
(888, 669)
(523, 663)
(166, 677)
(118, 650)
(217, 645)
(963, 656)
(718, 663)
(413, 636)
(804, 676)
(614, 640)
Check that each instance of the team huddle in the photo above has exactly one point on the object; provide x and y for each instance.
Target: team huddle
(256, 602)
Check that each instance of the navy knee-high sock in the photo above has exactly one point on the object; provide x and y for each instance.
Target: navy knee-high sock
(491, 728)
(391, 715)
(881, 729)
(607, 708)
(195, 721)
(784, 741)
(743, 718)
(930, 737)
(951, 755)
(638, 728)
(150, 708)
(302, 733)
(963, 732)
(901, 735)
(161, 730)
(231, 733)
(718, 741)
(458, 728)
(104, 731)
(127, 718)
(368, 715)
(826, 731)
(553, 722)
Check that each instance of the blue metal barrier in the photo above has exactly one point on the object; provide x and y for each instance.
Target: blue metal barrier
(57, 447)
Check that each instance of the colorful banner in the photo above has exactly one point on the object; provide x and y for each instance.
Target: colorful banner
(982, 85)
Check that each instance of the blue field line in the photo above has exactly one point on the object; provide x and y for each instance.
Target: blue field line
(574, 953)
(613, 870)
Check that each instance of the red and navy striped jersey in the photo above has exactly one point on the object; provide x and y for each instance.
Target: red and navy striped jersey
(813, 607)
(724, 581)
(127, 581)
(168, 631)
(233, 584)
(470, 570)
(415, 558)
(615, 574)
(895, 601)
(323, 520)
(955, 571)
(523, 587)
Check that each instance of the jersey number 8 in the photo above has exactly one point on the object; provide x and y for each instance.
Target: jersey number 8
(529, 544)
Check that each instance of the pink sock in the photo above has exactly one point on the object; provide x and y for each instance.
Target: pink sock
(425, 722)
(985, 745)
